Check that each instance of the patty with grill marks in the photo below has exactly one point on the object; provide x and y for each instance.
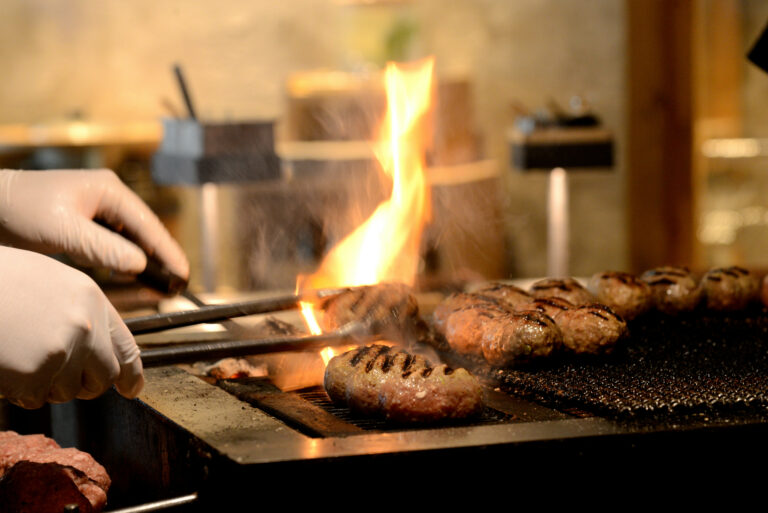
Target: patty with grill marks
(625, 293)
(566, 288)
(385, 381)
(500, 336)
(389, 308)
(673, 289)
(586, 329)
(729, 288)
(461, 300)
(590, 329)
(509, 294)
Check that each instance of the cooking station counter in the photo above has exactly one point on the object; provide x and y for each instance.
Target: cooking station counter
(186, 435)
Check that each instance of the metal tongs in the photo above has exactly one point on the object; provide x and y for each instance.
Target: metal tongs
(160, 278)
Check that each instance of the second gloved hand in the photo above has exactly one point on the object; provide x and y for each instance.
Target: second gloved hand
(60, 337)
(53, 212)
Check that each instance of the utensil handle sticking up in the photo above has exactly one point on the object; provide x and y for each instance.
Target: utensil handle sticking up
(184, 90)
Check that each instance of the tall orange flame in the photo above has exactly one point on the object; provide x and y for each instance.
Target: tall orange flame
(386, 246)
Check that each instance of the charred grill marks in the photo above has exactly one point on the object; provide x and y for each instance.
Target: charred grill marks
(549, 302)
(358, 357)
(372, 362)
(682, 272)
(558, 286)
(662, 281)
(606, 309)
(407, 363)
(532, 318)
(388, 361)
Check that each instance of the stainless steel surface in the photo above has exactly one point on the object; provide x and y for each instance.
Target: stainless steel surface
(159, 505)
(249, 436)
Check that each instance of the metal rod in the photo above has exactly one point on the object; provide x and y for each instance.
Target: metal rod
(231, 326)
(160, 356)
(184, 91)
(215, 313)
(209, 235)
(159, 505)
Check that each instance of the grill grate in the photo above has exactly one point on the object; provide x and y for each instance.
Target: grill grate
(669, 365)
(318, 397)
(311, 411)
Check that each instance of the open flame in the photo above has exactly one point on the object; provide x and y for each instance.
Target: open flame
(386, 246)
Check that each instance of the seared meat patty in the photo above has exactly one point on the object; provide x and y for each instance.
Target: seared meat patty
(674, 289)
(586, 329)
(460, 301)
(389, 308)
(566, 288)
(402, 387)
(590, 329)
(729, 288)
(481, 327)
(624, 293)
(509, 294)
(551, 306)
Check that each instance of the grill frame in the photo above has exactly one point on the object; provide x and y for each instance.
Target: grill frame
(185, 435)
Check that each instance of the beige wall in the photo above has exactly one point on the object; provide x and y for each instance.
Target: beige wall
(110, 59)
(532, 51)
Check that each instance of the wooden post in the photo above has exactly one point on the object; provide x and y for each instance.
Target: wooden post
(659, 132)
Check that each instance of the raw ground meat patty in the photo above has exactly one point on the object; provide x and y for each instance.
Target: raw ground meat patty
(91, 478)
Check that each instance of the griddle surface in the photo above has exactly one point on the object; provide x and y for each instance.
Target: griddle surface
(700, 363)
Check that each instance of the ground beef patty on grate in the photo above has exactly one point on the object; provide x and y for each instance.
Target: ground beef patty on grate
(380, 380)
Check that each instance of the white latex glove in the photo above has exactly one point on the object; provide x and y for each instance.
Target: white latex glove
(53, 212)
(60, 336)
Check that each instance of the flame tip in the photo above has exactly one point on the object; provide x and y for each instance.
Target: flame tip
(386, 246)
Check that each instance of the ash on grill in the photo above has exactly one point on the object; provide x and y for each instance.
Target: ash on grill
(697, 363)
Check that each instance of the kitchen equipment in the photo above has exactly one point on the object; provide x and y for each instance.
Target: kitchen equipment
(556, 144)
(223, 438)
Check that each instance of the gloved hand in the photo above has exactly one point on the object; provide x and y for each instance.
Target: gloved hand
(53, 211)
(60, 336)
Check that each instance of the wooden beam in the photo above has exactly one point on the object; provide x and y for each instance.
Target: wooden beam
(659, 132)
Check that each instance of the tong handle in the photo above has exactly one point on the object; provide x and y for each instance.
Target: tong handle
(157, 276)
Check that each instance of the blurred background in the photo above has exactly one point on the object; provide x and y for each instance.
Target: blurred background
(666, 84)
